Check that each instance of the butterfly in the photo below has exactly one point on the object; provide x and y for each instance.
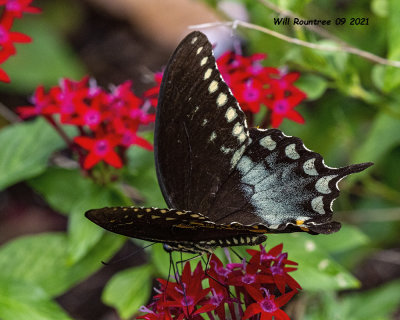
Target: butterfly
(225, 184)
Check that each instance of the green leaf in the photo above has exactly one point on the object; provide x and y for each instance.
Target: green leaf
(43, 61)
(377, 304)
(26, 148)
(384, 135)
(43, 260)
(128, 290)
(348, 238)
(316, 269)
(142, 176)
(83, 234)
(69, 192)
(314, 86)
(62, 187)
(380, 8)
(20, 300)
(392, 74)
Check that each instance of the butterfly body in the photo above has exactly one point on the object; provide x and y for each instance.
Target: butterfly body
(235, 183)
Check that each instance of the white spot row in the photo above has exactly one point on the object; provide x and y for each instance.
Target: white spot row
(268, 142)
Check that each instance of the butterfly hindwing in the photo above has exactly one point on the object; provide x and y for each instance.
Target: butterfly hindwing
(283, 185)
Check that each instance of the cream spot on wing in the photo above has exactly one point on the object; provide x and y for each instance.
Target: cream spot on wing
(207, 74)
(291, 152)
(242, 137)
(322, 184)
(222, 99)
(268, 142)
(213, 136)
(226, 150)
(213, 86)
(237, 155)
(194, 40)
(230, 114)
(199, 50)
(237, 129)
(309, 167)
(318, 205)
(203, 61)
(204, 122)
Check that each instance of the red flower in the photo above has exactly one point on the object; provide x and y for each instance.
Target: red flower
(267, 306)
(43, 104)
(187, 295)
(254, 85)
(273, 263)
(18, 7)
(151, 95)
(101, 148)
(7, 39)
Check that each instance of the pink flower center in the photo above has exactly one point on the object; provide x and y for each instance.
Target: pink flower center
(216, 299)
(127, 138)
(268, 305)
(251, 94)
(248, 278)
(187, 301)
(92, 117)
(278, 267)
(281, 106)
(4, 36)
(13, 5)
(222, 271)
(102, 147)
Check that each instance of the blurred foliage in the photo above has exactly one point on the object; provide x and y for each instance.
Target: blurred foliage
(352, 115)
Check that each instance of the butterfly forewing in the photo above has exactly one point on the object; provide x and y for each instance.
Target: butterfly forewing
(200, 129)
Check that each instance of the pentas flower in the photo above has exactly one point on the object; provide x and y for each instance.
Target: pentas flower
(232, 291)
(11, 10)
(254, 85)
(107, 122)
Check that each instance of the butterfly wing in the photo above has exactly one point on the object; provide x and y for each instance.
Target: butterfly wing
(282, 184)
(200, 132)
(183, 229)
(208, 160)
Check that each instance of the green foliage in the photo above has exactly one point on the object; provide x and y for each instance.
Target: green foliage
(374, 304)
(128, 290)
(25, 150)
(43, 260)
(19, 299)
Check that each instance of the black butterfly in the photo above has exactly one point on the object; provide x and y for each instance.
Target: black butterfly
(237, 183)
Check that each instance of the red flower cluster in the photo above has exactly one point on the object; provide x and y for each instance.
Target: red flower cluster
(259, 287)
(107, 122)
(12, 9)
(254, 85)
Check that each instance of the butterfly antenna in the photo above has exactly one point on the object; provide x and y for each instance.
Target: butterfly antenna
(128, 256)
